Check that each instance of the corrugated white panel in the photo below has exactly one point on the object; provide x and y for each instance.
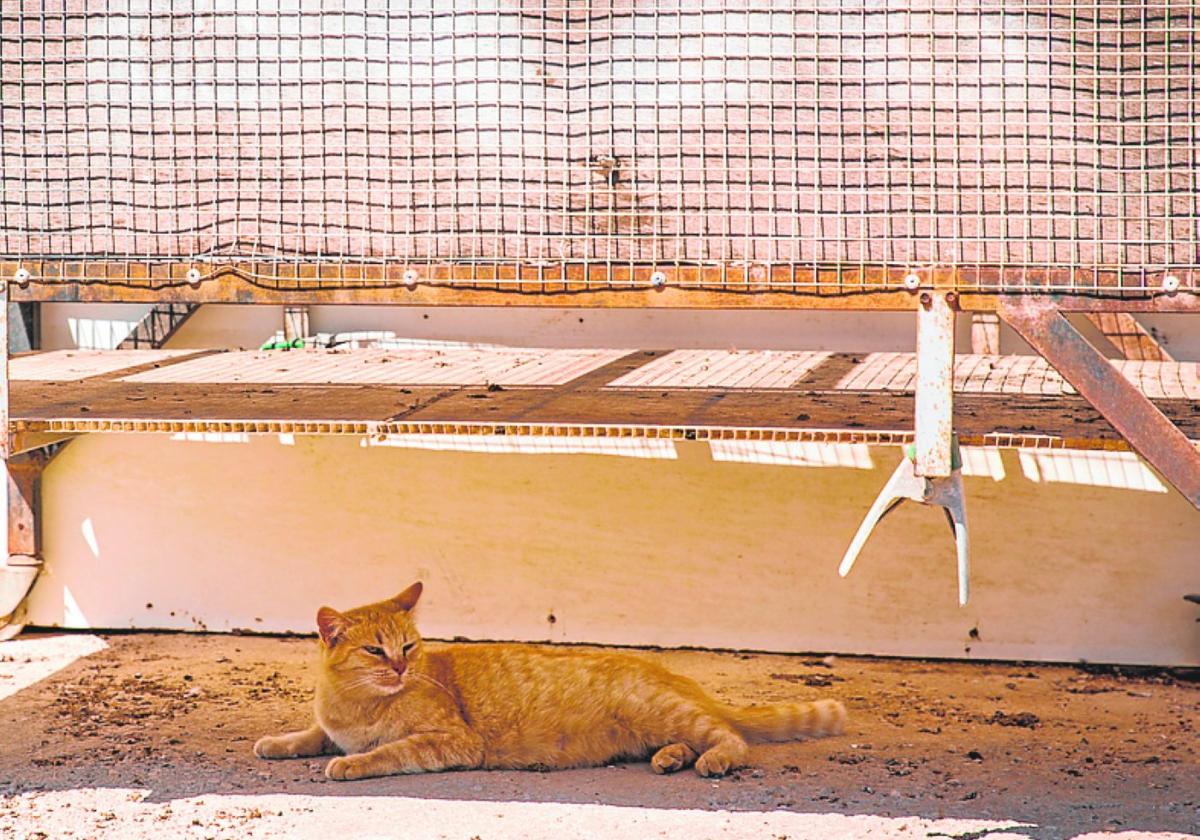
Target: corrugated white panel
(531, 445)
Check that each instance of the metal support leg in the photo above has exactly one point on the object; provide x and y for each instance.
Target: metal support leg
(1138, 420)
(24, 560)
(20, 565)
(931, 472)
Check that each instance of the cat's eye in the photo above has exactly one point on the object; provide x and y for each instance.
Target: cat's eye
(408, 647)
(374, 651)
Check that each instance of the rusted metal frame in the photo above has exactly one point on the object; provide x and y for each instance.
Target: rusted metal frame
(839, 278)
(1135, 417)
(1129, 337)
(234, 291)
(588, 285)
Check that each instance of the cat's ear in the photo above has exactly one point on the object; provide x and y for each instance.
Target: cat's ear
(331, 624)
(407, 599)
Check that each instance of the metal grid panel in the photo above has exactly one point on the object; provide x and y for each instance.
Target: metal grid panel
(821, 144)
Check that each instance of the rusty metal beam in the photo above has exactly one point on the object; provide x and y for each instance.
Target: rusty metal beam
(1147, 430)
(576, 296)
(1129, 337)
(24, 495)
(584, 285)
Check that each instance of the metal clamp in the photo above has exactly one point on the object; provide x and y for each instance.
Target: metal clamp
(945, 492)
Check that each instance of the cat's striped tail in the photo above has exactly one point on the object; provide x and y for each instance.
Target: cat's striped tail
(788, 721)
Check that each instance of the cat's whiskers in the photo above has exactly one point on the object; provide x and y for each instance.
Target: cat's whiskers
(419, 676)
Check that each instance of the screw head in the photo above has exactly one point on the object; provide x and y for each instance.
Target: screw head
(658, 280)
(912, 282)
(1170, 283)
(193, 276)
(21, 276)
(410, 278)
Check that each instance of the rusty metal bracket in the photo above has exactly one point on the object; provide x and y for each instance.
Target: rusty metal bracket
(946, 493)
(1138, 420)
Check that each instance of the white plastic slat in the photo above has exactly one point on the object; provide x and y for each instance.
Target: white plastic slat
(723, 369)
(463, 367)
(1032, 375)
(73, 365)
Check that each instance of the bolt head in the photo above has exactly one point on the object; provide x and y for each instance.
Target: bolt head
(193, 275)
(1170, 283)
(912, 282)
(410, 278)
(658, 279)
(21, 275)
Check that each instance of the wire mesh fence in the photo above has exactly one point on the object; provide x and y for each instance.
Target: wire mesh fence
(820, 143)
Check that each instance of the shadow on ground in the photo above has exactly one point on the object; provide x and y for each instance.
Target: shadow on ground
(1058, 750)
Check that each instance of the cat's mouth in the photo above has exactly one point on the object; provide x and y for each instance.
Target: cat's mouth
(390, 685)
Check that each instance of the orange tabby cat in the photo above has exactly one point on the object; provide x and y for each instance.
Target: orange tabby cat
(390, 706)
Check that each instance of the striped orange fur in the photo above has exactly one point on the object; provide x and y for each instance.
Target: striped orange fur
(388, 706)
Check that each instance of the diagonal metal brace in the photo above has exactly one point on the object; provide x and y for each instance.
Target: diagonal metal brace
(945, 492)
(1130, 412)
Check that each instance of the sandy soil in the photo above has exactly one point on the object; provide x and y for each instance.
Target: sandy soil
(149, 735)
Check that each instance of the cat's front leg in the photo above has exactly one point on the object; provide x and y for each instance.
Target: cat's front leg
(425, 752)
(307, 742)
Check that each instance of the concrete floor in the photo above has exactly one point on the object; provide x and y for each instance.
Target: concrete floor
(147, 735)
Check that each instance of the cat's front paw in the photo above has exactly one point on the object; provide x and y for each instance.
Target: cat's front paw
(713, 763)
(345, 768)
(272, 746)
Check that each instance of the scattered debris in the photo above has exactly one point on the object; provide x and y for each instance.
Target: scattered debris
(1025, 719)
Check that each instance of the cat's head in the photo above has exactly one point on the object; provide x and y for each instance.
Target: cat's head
(371, 649)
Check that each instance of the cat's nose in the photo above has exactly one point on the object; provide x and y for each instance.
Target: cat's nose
(399, 667)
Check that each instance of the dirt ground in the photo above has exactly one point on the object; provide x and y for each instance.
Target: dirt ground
(149, 735)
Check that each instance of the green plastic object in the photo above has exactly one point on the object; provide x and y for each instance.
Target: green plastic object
(295, 344)
(910, 452)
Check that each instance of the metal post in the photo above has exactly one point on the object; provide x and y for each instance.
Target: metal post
(935, 384)
(295, 322)
(5, 436)
(985, 333)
